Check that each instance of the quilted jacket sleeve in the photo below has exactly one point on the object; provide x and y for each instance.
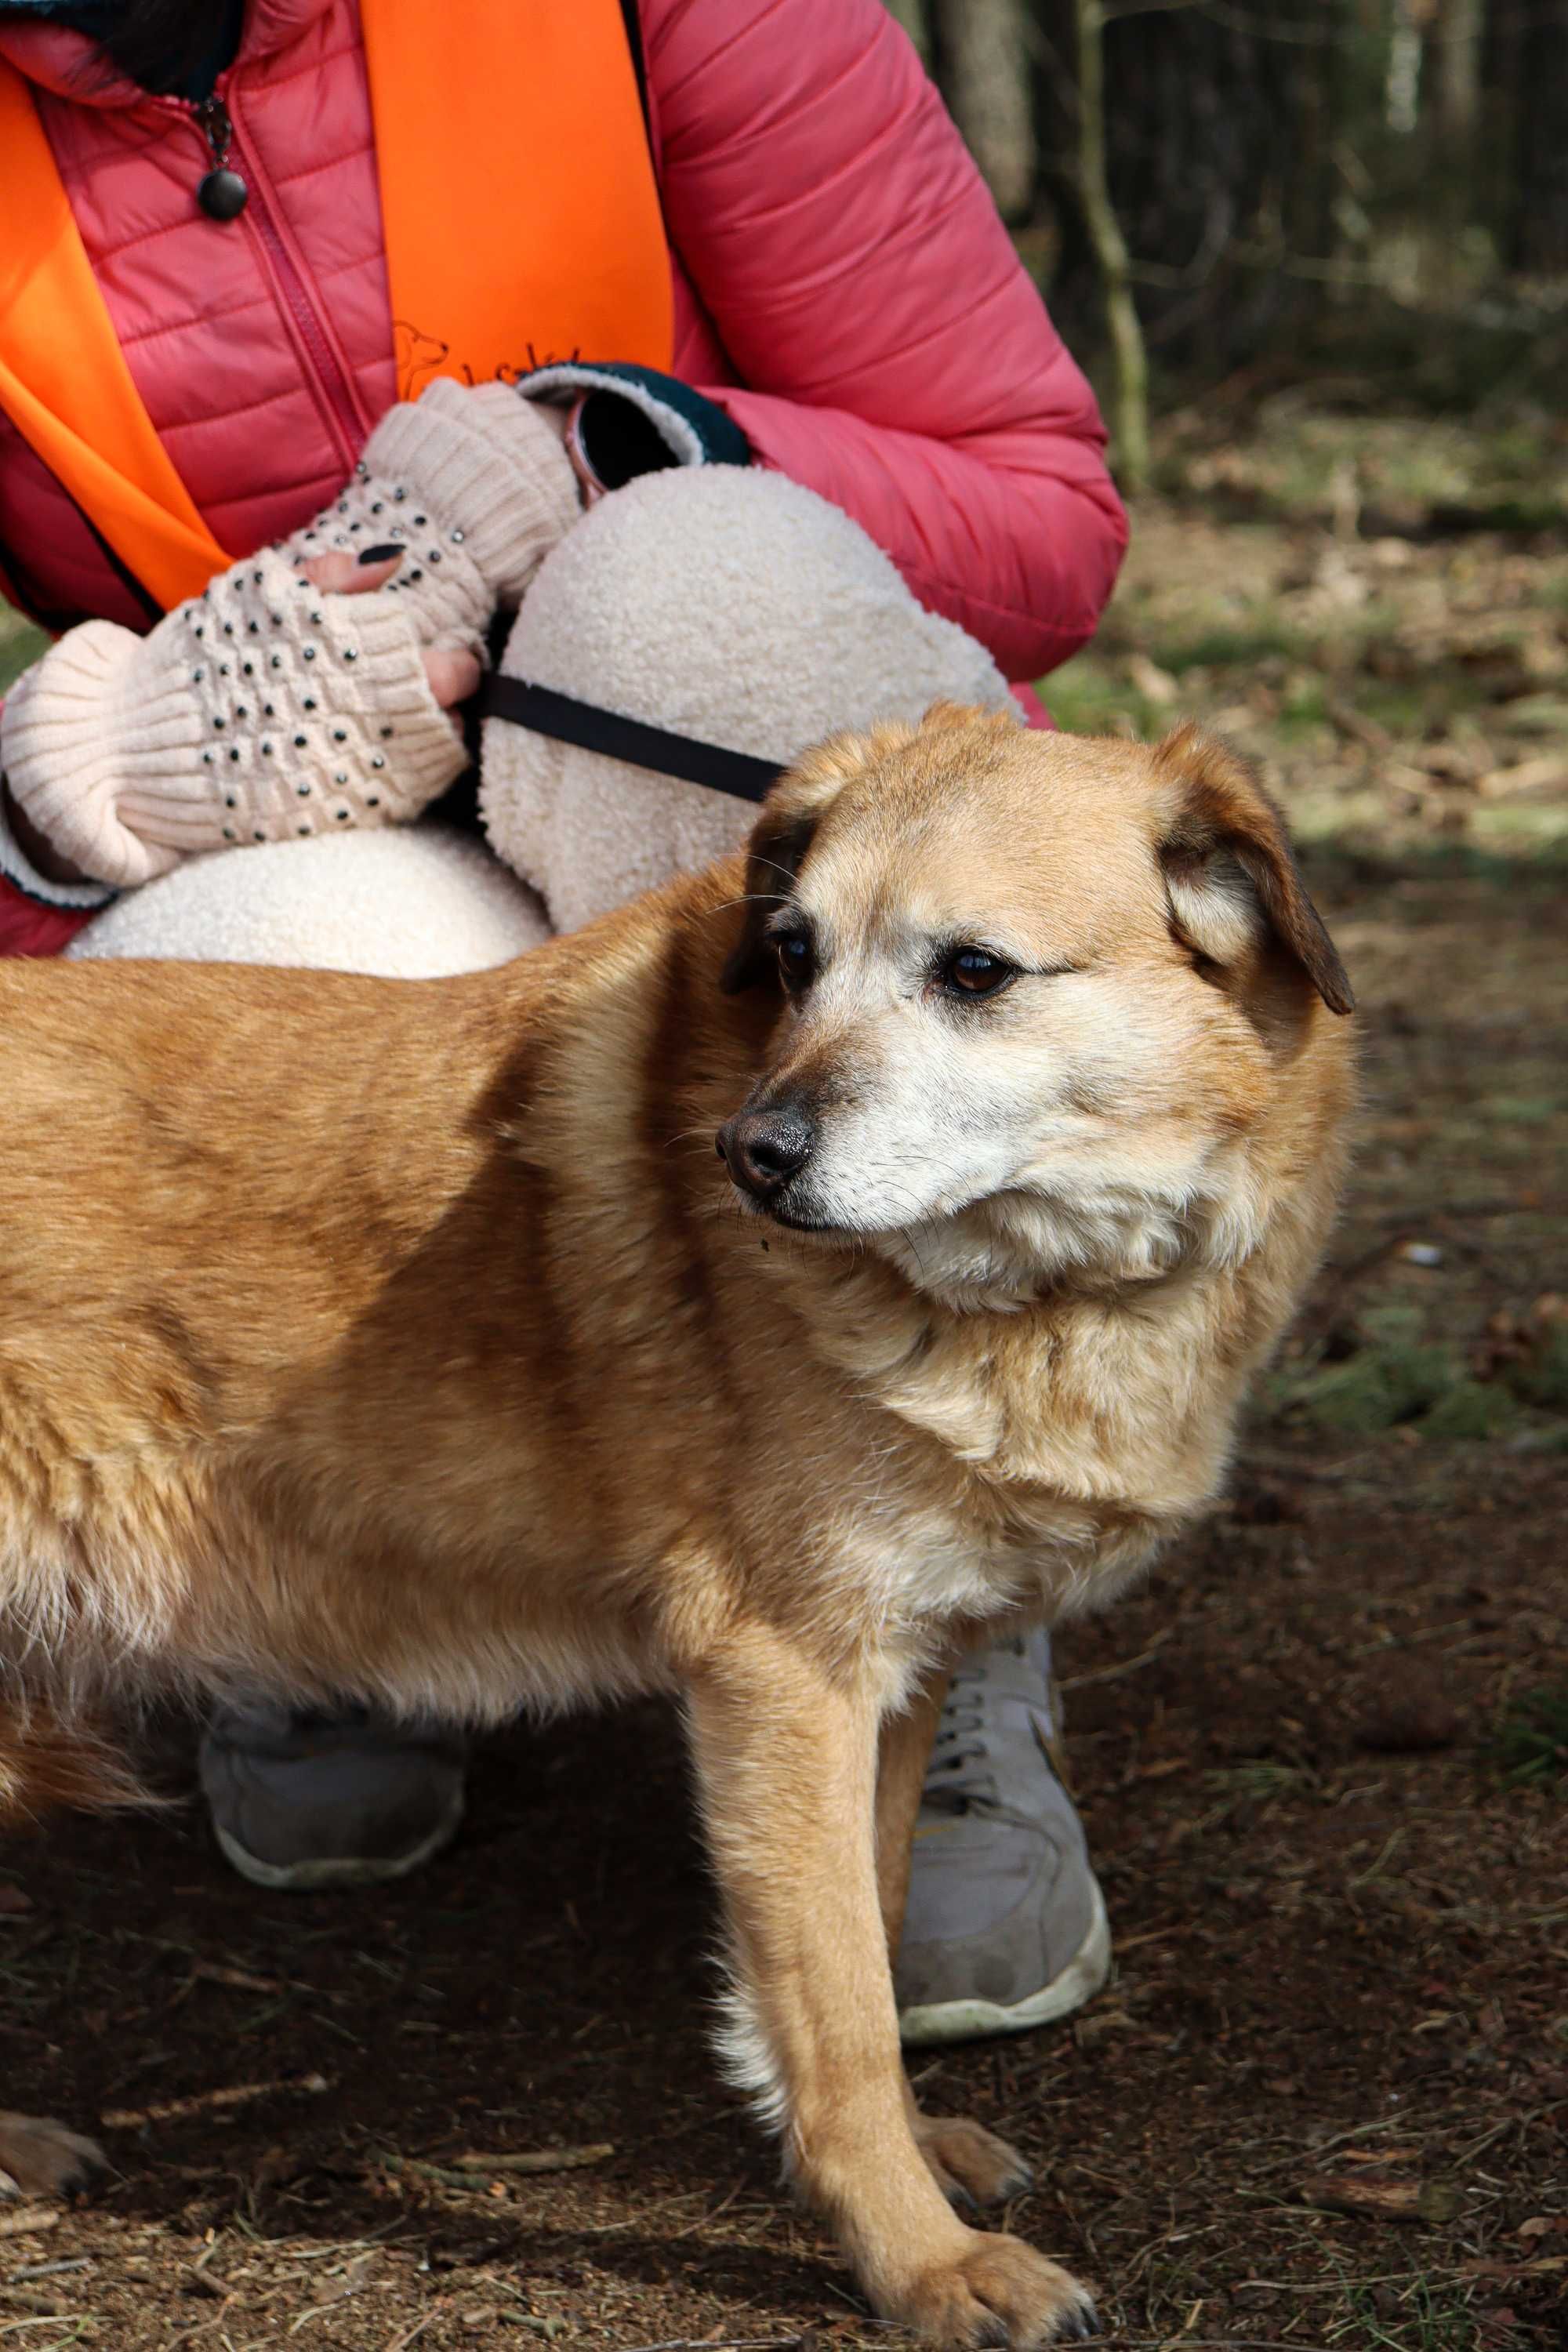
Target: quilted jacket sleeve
(896, 356)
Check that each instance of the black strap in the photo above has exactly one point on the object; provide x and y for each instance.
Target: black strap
(567, 720)
(121, 569)
(632, 23)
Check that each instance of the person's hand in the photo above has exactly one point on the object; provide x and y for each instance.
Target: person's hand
(473, 481)
(453, 671)
(271, 705)
(452, 674)
(114, 771)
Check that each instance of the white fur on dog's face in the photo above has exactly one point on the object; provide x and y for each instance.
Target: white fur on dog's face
(1089, 1114)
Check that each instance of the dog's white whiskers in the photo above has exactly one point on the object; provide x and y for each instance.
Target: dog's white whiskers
(746, 898)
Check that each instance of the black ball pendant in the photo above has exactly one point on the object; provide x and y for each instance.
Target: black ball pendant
(222, 196)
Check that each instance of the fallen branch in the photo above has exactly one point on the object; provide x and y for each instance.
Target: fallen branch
(30, 2299)
(721, 2344)
(234, 2094)
(401, 2341)
(447, 2175)
(1114, 1674)
(539, 2159)
(1385, 2201)
(22, 2224)
(213, 2282)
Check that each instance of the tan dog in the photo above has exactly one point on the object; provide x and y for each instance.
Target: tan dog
(407, 1340)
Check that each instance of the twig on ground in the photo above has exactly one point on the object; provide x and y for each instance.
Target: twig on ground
(30, 2299)
(720, 2344)
(401, 2341)
(213, 2282)
(1285, 1465)
(233, 2094)
(537, 2159)
(447, 2175)
(1114, 1674)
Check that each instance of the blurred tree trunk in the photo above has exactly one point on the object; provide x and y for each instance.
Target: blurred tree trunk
(1539, 243)
(1454, 116)
(986, 76)
(1457, 76)
(911, 15)
(1130, 422)
(1227, 136)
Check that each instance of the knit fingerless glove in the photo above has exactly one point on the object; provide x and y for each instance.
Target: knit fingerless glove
(476, 486)
(261, 709)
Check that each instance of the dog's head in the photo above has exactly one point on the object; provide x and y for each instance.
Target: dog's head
(1037, 994)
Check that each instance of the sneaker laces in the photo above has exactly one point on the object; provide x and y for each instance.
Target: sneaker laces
(958, 1778)
(960, 1742)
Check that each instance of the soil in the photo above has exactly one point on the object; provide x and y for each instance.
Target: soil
(1321, 1756)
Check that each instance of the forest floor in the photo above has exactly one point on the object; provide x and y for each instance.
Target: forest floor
(1323, 1756)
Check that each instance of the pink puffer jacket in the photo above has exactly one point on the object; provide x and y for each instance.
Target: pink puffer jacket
(843, 288)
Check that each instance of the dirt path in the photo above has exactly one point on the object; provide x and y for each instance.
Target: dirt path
(1325, 2101)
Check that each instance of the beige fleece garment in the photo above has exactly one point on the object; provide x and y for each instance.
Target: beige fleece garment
(731, 605)
(417, 903)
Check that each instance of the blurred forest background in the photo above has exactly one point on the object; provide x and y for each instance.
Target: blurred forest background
(1260, 190)
(1314, 254)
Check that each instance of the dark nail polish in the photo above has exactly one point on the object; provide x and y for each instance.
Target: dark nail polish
(380, 555)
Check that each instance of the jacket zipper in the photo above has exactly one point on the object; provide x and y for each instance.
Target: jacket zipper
(217, 126)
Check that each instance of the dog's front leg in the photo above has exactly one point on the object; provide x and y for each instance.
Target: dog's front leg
(969, 2165)
(786, 1760)
(903, 1754)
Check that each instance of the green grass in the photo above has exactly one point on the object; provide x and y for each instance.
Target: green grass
(1428, 2316)
(1391, 1380)
(1529, 1747)
(1295, 466)
(1264, 636)
(20, 644)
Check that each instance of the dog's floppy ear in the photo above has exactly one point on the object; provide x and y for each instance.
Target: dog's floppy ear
(774, 855)
(780, 840)
(1229, 865)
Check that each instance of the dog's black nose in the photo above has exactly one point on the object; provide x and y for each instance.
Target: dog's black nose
(764, 1148)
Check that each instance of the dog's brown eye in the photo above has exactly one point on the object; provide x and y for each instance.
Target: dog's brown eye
(797, 963)
(970, 972)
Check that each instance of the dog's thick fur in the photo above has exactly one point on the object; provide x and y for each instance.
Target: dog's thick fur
(408, 1340)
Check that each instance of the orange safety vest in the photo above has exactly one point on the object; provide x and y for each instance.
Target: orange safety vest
(571, 261)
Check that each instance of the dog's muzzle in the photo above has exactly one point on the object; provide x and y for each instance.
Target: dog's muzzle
(764, 1150)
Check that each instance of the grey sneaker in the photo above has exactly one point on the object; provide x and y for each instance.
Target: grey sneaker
(300, 1803)
(1005, 1925)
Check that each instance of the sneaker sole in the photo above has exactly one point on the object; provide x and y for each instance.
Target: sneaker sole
(972, 2021)
(326, 1872)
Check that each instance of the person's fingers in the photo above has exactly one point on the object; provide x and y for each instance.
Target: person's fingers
(453, 674)
(342, 573)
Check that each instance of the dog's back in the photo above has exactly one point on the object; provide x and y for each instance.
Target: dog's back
(407, 1340)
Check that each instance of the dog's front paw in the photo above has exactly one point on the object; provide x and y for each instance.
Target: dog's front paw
(999, 2292)
(971, 2165)
(40, 2159)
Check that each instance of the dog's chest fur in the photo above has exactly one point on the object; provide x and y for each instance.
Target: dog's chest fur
(450, 1375)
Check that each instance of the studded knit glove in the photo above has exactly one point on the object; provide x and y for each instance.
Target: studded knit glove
(261, 709)
(476, 486)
